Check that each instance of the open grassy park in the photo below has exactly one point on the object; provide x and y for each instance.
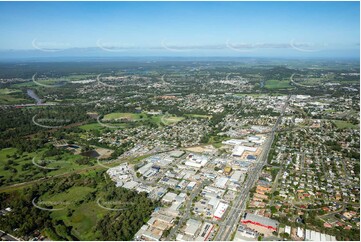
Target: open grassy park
(119, 116)
(11, 96)
(111, 118)
(169, 120)
(82, 216)
(21, 167)
(277, 84)
(340, 124)
(6, 91)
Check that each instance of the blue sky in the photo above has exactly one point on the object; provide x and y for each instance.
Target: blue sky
(184, 28)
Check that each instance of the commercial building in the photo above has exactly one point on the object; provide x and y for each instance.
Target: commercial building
(221, 209)
(244, 231)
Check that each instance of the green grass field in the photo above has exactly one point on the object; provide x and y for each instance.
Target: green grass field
(340, 124)
(168, 120)
(5, 91)
(11, 169)
(85, 215)
(85, 218)
(277, 84)
(156, 119)
(10, 99)
(21, 167)
(11, 96)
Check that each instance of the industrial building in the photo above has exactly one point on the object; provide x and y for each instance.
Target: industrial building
(197, 161)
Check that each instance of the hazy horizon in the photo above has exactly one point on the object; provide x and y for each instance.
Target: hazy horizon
(184, 29)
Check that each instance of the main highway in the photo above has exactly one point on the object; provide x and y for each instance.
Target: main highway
(233, 216)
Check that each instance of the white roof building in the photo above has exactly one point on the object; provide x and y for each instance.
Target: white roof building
(183, 237)
(191, 185)
(214, 202)
(317, 236)
(234, 142)
(175, 206)
(221, 209)
(240, 149)
(288, 230)
(236, 176)
(300, 232)
(196, 160)
(169, 197)
(145, 168)
(221, 182)
(192, 227)
(130, 184)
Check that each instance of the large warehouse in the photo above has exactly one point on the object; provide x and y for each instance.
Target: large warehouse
(240, 149)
